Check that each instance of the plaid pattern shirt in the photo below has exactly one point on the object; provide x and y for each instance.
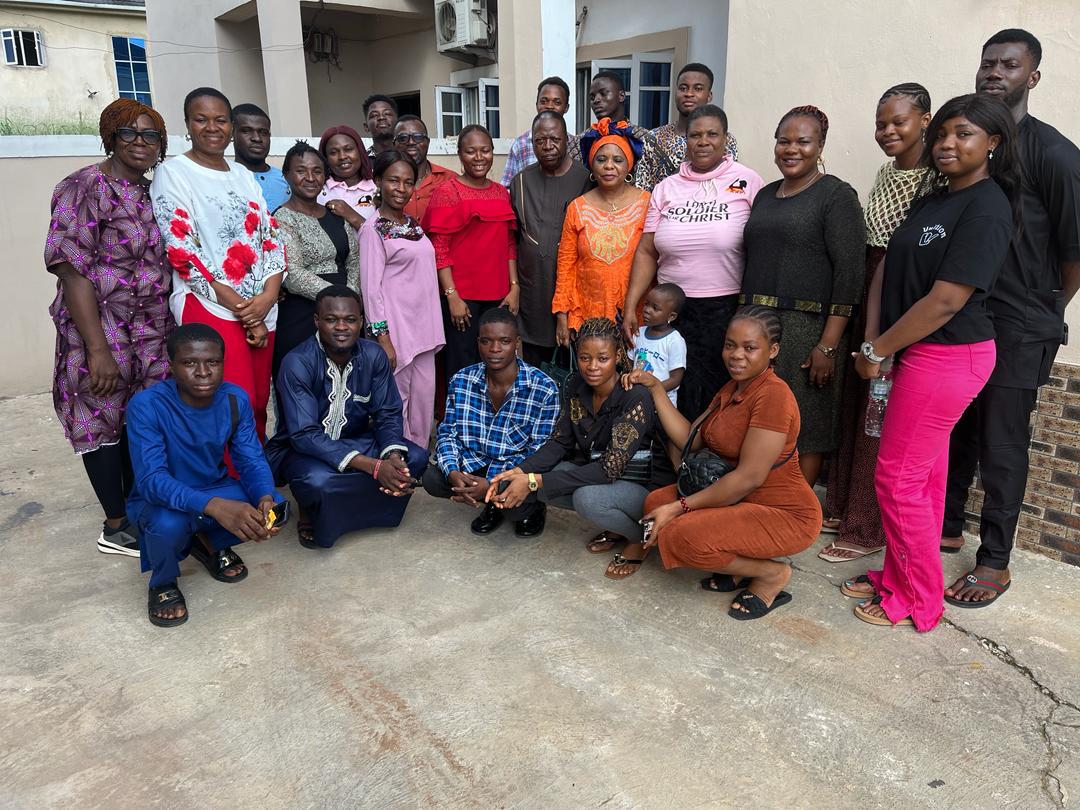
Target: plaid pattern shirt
(474, 436)
(521, 155)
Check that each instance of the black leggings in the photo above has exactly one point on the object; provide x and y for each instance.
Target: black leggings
(111, 476)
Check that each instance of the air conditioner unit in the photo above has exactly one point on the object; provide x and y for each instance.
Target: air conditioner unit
(462, 24)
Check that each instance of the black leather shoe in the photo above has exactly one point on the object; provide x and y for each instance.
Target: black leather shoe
(488, 521)
(532, 524)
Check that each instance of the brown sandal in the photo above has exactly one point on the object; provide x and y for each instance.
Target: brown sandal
(604, 542)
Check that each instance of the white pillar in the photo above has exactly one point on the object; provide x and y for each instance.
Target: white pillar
(558, 36)
(284, 67)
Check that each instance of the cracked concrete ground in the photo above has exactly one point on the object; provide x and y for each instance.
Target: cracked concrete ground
(426, 667)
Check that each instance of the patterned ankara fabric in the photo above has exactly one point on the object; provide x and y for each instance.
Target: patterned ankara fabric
(522, 155)
(105, 229)
(474, 437)
(595, 255)
(669, 153)
(890, 199)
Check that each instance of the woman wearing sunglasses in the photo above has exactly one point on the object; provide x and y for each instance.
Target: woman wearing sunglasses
(112, 303)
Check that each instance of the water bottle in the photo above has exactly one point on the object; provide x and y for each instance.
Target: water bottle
(880, 387)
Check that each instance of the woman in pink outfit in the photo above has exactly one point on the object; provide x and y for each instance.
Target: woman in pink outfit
(927, 307)
(400, 286)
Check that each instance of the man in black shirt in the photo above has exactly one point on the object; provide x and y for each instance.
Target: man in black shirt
(1040, 276)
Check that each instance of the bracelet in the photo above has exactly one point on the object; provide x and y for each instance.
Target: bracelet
(375, 472)
(379, 328)
(449, 291)
(513, 283)
(682, 503)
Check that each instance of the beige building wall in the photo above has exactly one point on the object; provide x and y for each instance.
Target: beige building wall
(857, 50)
(78, 61)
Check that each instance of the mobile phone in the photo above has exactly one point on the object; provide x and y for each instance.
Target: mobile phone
(648, 525)
(278, 515)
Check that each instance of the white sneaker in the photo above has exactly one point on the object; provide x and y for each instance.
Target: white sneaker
(121, 542)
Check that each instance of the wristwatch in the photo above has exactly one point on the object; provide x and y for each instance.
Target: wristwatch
(867, 350)
(533, 485)
(825, 350)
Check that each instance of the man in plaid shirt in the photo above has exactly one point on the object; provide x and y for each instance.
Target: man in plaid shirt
(551, 94)
(498, 413)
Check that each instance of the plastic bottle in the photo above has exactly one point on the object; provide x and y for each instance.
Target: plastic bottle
(880, 387)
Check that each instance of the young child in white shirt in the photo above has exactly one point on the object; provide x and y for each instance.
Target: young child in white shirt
(659, 348)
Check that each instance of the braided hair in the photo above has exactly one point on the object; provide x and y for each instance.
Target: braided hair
(919, 95)
(766, 317)
(124, 112)
(605, 329)
(806, 111)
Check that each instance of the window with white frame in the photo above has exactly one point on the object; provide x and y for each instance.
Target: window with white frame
(132, 72)
(22, 48)
(647, 80)
(457, 106)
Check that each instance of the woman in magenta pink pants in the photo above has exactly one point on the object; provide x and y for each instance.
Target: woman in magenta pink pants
(927, 308)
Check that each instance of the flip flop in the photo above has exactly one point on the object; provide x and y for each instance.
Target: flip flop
(305, 533)
(951, 549)
(755, 605)
(847, 590)
(619, 560)
(985, 584)
(830, 526)
(880, 621)
(721, 583)
(164, 597)
(856, 554)
(604, 542)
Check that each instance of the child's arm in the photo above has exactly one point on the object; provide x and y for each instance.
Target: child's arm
(674, 379)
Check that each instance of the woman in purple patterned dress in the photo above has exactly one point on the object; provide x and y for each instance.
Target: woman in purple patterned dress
(112, 304)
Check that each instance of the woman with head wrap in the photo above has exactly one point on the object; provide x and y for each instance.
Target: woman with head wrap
(601, 231)
(112, 303)
(350, 186)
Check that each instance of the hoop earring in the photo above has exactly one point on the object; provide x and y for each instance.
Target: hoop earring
(592, 179)
(821, 165)
(629, 179)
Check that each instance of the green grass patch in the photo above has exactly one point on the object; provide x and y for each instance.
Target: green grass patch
(24, 125)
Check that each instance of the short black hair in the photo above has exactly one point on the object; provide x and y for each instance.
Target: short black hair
(553, 81)
(410, 117)
(298, 150)
(697, 67)
(469, 130)
(387, 158)
(544, 115)
(612, 77)
(499, 315)
(253, 110)
(338, 291)
(193, 333)
(1009, 35)
(379, 97)
(675, 293)
(203, 92)
(708, 111)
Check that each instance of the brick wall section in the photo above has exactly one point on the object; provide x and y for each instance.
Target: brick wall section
(1050, 519)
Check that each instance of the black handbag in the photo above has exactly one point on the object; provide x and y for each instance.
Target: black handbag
(559, 374)
(704, 468)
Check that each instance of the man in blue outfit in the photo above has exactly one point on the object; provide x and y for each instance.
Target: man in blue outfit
(339, 444)
(251, 144)
(183, 500)
(498, 413)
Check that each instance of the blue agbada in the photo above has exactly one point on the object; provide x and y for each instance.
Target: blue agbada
(328, 415)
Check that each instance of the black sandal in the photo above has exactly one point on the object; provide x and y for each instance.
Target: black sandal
(755, 605)
(165, 597)
(305, 533)
(217, 562)
(604, 542)
(721, 583)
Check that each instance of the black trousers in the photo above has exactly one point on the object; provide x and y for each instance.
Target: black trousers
(461, 349)
(437, 486)
(993, 435)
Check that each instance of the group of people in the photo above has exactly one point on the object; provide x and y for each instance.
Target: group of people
(633, 325)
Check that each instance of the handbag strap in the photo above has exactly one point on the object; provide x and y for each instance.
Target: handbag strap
(707, 417)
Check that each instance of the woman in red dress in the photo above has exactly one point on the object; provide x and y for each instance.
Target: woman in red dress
(471, 224)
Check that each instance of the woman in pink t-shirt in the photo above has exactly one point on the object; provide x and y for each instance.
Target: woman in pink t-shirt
(694, 238)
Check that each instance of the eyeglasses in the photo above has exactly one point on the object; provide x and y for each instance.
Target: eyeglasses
(416, 137)
(151, 137)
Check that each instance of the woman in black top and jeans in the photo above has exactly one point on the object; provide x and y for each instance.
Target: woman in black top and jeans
(928, 308)
(609, 432)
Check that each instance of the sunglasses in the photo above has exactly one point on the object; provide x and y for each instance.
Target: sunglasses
(415, 137)
(151, 137)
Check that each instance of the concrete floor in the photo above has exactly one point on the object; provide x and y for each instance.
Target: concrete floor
(427, 668)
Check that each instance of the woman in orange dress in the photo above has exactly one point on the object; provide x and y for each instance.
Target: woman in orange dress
(763, 508)
(600, 233)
